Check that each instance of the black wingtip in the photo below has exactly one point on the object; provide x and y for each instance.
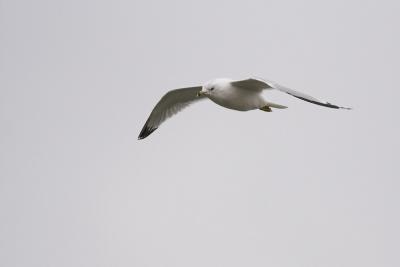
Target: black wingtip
(328, 105)
(146, 131)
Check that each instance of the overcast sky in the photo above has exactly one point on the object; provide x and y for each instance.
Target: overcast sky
(305, 186)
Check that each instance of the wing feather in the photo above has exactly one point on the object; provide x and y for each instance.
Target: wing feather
(170, 104)
(261, 84)
(252, 84)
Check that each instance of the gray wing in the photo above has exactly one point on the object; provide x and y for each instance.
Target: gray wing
(170, 104)
(261, 84)
(252, 84)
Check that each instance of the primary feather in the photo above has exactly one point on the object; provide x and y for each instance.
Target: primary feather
(170, 104)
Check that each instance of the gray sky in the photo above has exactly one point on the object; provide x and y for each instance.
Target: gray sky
(305, 186)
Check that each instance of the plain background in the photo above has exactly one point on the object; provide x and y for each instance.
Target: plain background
(305, 186)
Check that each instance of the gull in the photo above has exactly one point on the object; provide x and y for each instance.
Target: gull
(241, 95)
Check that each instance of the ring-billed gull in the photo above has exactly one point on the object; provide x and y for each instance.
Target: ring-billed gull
(242, 95)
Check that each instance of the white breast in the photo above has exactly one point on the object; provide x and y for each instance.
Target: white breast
(236, 98)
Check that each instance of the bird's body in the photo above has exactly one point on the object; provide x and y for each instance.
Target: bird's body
(229, 96)
(241, 95)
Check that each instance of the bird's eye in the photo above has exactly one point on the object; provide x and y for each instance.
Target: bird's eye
(212, 88)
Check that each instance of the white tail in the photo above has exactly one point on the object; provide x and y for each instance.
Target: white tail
(273, 105)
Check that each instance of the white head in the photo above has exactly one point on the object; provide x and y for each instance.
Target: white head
(214, 87)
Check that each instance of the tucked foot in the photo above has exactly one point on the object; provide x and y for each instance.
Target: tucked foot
(266, 109)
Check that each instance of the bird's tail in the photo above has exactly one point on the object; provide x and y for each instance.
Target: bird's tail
(273, 105)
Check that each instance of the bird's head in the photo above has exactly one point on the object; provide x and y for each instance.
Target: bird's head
(207, 89)
(212, 87)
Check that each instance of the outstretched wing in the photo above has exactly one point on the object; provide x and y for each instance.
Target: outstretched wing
(170, 104)
(260, 84)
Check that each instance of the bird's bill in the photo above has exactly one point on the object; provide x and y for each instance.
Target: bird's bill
(200, 93)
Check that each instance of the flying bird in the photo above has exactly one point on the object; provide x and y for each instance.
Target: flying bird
(241, 95)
